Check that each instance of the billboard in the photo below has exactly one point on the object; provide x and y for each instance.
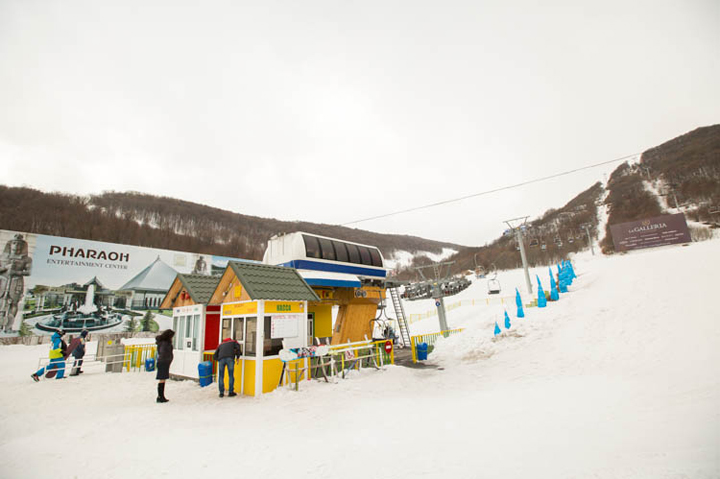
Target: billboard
(649, 233)
(52, 281)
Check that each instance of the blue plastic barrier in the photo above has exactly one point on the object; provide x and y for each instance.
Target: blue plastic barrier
(422, 351)
(205, 373)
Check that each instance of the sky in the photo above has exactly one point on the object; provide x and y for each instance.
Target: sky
(333, 112)
(618, 379)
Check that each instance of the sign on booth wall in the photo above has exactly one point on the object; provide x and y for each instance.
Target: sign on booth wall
(651, 232)
(285, 325)
(239, 309)
(284, 307)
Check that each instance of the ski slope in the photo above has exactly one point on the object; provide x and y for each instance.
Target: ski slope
(618, 379)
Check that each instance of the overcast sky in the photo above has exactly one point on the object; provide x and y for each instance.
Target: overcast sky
(334, 111)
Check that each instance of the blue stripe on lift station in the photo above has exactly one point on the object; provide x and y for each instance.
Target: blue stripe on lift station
(334, 267)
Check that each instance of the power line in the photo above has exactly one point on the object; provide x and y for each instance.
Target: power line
(517, 185)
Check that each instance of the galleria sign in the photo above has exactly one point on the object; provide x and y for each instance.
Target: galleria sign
(648, 227)
(649, 233)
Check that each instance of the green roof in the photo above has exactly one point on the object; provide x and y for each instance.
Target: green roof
(262, 281)
(200, 286)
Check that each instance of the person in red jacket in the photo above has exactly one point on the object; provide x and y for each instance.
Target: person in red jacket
(226, 354)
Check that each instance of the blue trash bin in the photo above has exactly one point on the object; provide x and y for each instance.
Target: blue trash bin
(150, 364)
(205, 373)
(422, 351)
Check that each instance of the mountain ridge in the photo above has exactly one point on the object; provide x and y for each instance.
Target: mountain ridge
(688, 167)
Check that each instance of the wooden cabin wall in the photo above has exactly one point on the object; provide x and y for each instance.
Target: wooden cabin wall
(354, 322)
(354, 318)
(228, 288)
(176, 292)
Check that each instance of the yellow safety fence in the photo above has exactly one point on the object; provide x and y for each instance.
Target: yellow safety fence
(136, 354)
(430, 339)
(413, 317)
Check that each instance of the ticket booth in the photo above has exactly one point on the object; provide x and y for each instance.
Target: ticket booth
(265, 309)
(195, 322)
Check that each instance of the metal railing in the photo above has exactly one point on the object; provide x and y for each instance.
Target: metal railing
(340, 360)
(430, 339)
(136, 354)
(131, 359)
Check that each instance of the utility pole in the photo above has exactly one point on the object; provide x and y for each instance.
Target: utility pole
(590, 242)
(437, 293)
(519, 235)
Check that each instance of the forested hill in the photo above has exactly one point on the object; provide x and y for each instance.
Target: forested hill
(680, 175)
(685, 171)
(161, 222)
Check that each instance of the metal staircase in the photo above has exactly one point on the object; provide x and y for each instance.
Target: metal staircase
(400, 315)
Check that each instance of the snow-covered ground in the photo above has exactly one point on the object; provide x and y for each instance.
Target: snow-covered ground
(618, 379)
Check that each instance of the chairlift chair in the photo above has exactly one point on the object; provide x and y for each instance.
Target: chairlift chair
(534, 242)
(493, 286)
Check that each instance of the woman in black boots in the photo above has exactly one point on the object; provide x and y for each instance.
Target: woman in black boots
(164, 358)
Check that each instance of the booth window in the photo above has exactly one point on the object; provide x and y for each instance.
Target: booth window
(250, 336)
(311, 329)
(341, 251)
(176, 338)
(226, 331)
(328, 252)
(188, 330)
(312, 247)
(196, 332)
(238, 327)
(271, 347)
(353, 253)
(365, 255)
(180, 327)
(375, 256)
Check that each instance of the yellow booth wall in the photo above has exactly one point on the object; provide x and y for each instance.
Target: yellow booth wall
(323, 319)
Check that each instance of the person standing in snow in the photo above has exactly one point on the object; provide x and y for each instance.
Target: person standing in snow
(78, 353)
(164, 358)
(56, 355)
(226, 354)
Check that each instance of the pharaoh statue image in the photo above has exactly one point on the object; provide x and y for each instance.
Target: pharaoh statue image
(15, 264)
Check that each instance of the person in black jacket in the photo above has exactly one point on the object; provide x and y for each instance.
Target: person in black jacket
(78, 353)
(164, 358)
(226, 354)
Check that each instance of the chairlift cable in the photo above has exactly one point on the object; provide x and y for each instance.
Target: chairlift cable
(487, 192)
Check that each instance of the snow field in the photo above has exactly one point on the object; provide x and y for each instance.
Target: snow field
(618, 379)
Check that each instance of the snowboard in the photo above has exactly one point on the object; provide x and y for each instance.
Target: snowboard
(73, 344)
(298, 353)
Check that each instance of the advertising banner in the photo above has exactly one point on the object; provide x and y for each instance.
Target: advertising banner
(649, 233)
(52, 281)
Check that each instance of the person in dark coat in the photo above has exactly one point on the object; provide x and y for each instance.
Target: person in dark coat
(78, 353)
(164, 358)
(226, 354)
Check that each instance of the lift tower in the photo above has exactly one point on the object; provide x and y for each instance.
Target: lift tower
(517, 225)
(436, 284)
